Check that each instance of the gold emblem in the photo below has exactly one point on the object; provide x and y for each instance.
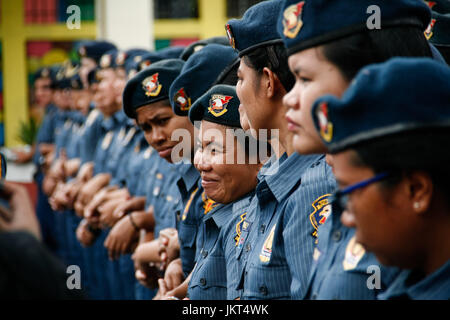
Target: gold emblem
(292, 20)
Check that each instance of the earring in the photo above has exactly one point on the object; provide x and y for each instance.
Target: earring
(416, 205)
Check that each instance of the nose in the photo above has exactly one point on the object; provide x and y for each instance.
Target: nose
(201, 161)
(290, 99)
(156, 137)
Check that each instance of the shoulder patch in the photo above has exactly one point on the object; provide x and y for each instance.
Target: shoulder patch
(239, 226)
(322, 209)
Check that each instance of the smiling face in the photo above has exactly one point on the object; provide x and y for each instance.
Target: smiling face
(159, 123)
(314, 77)
(222, 181)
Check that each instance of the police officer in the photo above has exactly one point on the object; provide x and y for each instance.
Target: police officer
(229, 184)
(277, 240)
(391, 190)
(324, 58)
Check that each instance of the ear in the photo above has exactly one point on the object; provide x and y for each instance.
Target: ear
(270, 83)
(420, 191)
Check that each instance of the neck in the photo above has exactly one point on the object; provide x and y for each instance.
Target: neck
(437, 249)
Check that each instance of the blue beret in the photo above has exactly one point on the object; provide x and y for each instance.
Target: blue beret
(64, 75)
(306, 24)
(200, 44)
(171, 52)
(45, 72)
(140, 62)
(440, 6)
(95, 49)
(75, 82)
(150, 85)
(383, 101)
(198, 74)
(438, 32)
(108, 59)
(123, 56)
(257, 27)
(220, 104)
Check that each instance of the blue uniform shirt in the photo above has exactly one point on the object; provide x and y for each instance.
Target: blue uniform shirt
(110, 130)
(340, 268)
(210, 275)
(412, 285)
(92, 130)
(46, 132)
(280, 249)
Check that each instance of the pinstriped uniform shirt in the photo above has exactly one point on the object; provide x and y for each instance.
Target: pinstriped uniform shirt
(210, 277)
(280, 249)
(412, 285)
(340, 265)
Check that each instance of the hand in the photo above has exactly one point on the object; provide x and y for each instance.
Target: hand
(106, 211)
(21, 216)
(147, 252)
(90, 188)
(169, 247)
(86, 172)
(84, 235)
(132, 204)
(147, 275)
(121, 237)
(174, 275)
(46, 148)
(58, 200)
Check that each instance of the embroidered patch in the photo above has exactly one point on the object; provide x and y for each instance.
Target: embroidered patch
(239, 226)
(151, 85)
(218, 104)
(353, 254)
(182, 100)
(322, 209)
(429, 32)
(105, 61)
(230, 36)
(120, 59)
(266, 251)
(430, 4)
(292, 20)
(325, 125)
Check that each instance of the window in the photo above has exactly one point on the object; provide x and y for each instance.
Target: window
(236, 8)
(176, 9)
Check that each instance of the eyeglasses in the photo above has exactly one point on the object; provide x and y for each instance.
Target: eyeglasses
(340, 197)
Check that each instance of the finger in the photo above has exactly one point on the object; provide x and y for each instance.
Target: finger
(162, 287)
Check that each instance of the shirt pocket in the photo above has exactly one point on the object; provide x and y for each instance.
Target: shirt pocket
(210, 280)
(262, 282)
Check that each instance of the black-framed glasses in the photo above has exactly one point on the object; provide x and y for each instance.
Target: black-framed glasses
(340, 197)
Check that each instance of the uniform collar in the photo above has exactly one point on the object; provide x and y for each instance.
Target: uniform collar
(289, 174)
(189, 175)
(436, 286)
(223, 213)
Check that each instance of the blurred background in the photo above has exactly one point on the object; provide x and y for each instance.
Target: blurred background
(37, 33)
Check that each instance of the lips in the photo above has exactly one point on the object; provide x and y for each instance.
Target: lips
(292, 125)
(165, 152)
(208, 181)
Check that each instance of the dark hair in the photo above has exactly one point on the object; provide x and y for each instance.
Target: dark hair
(352, 53)
(445, 52)
(275, 58)
(228, 75)
(401, 154)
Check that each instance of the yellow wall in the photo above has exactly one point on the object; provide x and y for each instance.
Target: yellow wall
(14, 35)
